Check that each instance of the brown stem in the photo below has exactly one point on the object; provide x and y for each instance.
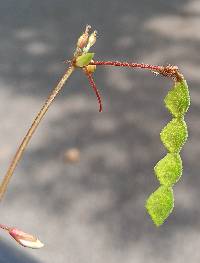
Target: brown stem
(37, 120)
(168, 71)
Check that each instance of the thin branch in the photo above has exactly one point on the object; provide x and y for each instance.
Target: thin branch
(37, 120)
(167, 71)
(93, 85)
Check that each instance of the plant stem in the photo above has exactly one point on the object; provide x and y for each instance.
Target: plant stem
(168, 71)
(126, 64)
(34, 125)
(93, 85)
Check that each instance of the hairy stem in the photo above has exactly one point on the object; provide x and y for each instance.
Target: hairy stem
(126, 64)
(37, 120)
(167, 71)
(93, 85)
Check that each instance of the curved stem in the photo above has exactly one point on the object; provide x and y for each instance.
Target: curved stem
(167, 71)
(93, 85)
(37, 120)
(126, 64)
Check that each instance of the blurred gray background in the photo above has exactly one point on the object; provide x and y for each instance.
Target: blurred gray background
(93, 211)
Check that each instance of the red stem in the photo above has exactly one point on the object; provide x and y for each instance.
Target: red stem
(93, 85)
(127, 64)
(167, 71)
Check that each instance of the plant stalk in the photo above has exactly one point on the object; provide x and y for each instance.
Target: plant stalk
(167, 71)
(29, 134)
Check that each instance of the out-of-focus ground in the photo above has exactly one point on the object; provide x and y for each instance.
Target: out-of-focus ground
(93, 211)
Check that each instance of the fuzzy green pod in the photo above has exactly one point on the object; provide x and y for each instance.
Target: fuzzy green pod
(160, 204)
(174, 135)
(84, 60)
(177, 100)
(169, 169)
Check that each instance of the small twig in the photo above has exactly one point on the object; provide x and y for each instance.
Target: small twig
(167, 71)
(37, 120)
(93, 85)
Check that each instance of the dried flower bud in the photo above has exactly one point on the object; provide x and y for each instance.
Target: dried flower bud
(92, 38)
(25, 239)
(82, 41)
(87, 28)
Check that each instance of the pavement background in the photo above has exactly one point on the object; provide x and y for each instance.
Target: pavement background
(93, 211)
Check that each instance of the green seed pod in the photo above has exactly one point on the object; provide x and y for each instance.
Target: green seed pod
(84, 60)
(169, 169)
(160, 204)
(174, 135)
(177, 100)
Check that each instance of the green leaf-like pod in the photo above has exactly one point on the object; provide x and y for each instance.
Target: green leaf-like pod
(177, 100)
(160, 204)
(174, 135)
(169, 169)
(84, 60)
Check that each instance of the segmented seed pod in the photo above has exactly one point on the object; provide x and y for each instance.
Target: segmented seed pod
(169, 169)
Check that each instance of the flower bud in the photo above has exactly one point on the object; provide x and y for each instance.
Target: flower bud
(25, 239)
(82, 41)
(92, 38)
